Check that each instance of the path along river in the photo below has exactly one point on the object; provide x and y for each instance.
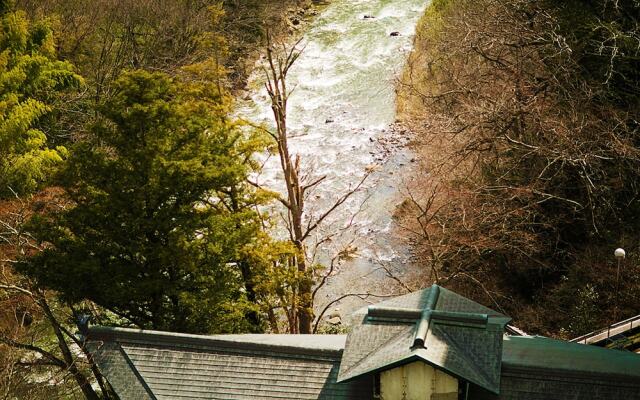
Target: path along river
(339, 119)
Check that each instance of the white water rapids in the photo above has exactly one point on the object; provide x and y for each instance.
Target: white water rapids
(339, 117)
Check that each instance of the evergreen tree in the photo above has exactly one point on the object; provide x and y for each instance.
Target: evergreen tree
(161, 210)
(30, 81)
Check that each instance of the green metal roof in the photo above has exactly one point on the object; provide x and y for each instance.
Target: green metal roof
(545, 353)
(434, 325)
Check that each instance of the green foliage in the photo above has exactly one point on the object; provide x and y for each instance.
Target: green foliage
(329, 329)
(161, 210)
(30, 81)
(585, 311)
(102, 38)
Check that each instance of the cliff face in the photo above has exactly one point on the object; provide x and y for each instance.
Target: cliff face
(523, 120)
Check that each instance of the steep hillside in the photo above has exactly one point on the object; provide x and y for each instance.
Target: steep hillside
(103, 37)
(525, 116)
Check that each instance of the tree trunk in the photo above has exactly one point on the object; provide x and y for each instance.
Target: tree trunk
(251, 316)
(277, 89)
(80, 378)
(305, 300)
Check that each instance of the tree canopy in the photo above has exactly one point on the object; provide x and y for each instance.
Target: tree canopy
(152, 233)
(31, 80)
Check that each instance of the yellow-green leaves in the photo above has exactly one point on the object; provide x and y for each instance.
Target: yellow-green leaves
(163, 212)
(30, 81)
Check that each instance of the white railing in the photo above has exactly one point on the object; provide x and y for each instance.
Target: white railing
(609, 331)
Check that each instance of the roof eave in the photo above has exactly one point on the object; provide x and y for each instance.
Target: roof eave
(407, 360)
(388, 366)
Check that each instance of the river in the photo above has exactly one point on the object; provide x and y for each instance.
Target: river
(340, 116)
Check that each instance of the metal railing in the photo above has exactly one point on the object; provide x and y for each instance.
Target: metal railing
(611, 330)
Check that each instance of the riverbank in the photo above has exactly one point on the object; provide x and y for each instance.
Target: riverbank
(527, 174)
(285, 20)
(340, 123)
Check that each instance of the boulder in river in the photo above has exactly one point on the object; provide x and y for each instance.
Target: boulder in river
(335, 313)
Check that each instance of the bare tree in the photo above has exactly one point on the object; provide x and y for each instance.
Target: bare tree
(530, 169)
(34, 323)
(300, 224)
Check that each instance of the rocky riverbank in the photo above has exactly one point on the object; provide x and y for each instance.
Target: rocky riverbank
(285, 20)
(341, 123)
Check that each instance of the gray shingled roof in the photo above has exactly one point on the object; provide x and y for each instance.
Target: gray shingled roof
(160, 365)
(434, 325)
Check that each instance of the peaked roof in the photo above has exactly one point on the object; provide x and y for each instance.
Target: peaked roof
(434, 325)
(161, 365)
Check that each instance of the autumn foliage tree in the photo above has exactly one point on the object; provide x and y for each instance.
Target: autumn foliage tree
(528, 117)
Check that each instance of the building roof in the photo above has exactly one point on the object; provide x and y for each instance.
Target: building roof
(539, 368)
(537, 352)
(434, 325)
(159, 365)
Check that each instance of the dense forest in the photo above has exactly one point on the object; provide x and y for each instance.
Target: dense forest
(124, 196)
(126, 190)
(526, 115)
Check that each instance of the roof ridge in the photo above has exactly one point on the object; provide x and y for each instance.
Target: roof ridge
(151, 337)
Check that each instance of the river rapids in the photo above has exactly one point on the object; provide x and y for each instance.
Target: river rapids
(340, 116)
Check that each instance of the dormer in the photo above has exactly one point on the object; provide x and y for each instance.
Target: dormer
(415, 381)
(426, 345)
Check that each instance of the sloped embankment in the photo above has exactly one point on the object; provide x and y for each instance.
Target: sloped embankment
(525, 123)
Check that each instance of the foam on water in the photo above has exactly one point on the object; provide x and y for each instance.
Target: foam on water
(344, 99)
